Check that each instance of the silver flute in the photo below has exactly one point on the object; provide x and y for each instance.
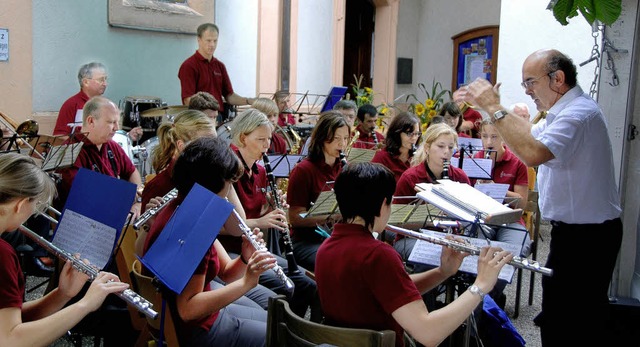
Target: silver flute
(128, 295)
(519, 262)
(172, 194)
(288, 283)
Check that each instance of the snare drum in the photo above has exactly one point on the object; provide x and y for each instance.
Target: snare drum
(146, 154)
(224, 132)
(122, 139)
(131, 110)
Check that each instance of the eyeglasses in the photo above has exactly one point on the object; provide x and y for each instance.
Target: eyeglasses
(531, 81)
(416, 134)
(100, 80)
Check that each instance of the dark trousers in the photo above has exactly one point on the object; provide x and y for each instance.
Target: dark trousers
(575, 303)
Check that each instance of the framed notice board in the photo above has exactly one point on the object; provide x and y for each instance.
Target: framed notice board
(475, 54)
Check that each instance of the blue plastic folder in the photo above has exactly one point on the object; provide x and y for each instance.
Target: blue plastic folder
(195, 224)
(335, 94)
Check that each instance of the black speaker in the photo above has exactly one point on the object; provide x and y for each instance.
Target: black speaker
(405, 71)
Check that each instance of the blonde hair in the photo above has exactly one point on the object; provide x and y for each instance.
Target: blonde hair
(430, 136)
(186, 126)
(22, 178)
(266, 106)
(246, 123)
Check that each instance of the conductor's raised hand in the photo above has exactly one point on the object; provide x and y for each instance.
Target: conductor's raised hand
(481, 93)
(104, 284)
(490, 262)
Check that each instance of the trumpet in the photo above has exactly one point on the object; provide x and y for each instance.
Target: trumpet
(519, 262)
(128, 295)
(288, 283)
(172, 194)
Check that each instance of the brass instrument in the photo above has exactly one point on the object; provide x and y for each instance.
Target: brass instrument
(519, 262)
(128, 295)
(287, 138)
(24, 130)
(289, 286)
(172, 194)
(297, 140)
(353, 140)
(292, 266)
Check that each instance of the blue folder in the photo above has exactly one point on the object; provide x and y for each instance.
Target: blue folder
(186, 237)
(335, 94)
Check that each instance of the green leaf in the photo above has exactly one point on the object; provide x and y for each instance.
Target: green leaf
(562, 10)
(607, 11)
(587, 9)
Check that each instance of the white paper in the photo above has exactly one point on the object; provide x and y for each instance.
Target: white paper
(78, 116)
(469, 144)
(474, 167)
(498, 191)
(91, 239)
(429, 253)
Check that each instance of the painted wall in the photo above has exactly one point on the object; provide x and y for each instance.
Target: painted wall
(314, 47)
(15, 74)
(408, 37)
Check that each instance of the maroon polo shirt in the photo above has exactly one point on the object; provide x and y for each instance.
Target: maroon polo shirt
(285, 119)
(11, 277)
(278, 144)
(367, 141)
(197, 74)
(392, 162)
(509, 170)
(158, 186)
(308, 178)
(92, 158)
(67, 114)
(209, 266)
(362, 281)
(418, 174)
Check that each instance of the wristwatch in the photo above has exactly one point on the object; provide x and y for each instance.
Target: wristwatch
(499, 114)
(476, 291)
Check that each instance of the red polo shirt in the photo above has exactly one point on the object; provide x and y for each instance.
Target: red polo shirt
(392, 162)
(92, 158)
(11, 277)
(209, 266)
(197, 74)
(67, 114)
(158, 186)
(509, 170)
(367, 141)
(278, 144)
(285, 119)
(418, 174)
(306, 181)
(362, 281)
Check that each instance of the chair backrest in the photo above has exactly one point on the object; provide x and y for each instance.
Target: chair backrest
(285, 328)
(144, 286)
(531, 209)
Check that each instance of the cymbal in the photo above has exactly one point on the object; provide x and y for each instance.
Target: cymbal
(162, 111)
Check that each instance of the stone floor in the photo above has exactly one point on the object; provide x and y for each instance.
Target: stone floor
(523, 323)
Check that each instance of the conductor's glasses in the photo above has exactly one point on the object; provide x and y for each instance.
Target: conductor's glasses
(529, 82)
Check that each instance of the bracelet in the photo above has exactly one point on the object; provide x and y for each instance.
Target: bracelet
(242, 259)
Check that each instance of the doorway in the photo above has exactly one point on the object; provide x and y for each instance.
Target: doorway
(358, 42)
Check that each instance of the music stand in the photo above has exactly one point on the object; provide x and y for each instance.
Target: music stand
(62, 155)
(335, 94)
(282, 164)
(360, 155)
(326, 204)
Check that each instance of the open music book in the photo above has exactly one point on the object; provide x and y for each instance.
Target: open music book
(412, 214)
(325, 204)
(61, 156)
(360, 155)
(464, 202)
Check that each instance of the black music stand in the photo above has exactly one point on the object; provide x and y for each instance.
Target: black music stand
(282, 164)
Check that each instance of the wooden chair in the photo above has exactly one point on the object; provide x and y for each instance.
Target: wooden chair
(144, 286)
(286, 329)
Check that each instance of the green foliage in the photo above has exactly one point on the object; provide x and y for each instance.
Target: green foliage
(605, 11)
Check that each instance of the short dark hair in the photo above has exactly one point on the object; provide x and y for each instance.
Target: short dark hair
(205, 27)
(208, 161)
(560, 61)
(402, 123)
(367, 109)
(324, 131)
(203, 101)
(452, 109)
(361, 189)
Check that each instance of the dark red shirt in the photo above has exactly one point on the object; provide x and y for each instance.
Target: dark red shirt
(197, 74)
(11, 277)
(362, 281)
(367, 141)
(158, 186)
(285, 119)
(92, 158)
(418, 174)
(278, 144)
(474, 117)
(308, 178)
(209, 266)
(392, 162)
(67, 114)
(509, 170)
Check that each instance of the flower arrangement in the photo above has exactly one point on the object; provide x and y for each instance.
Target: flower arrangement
(363, 95)
(434, 99)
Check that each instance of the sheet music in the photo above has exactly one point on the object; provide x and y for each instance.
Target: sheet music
(469, 142)
(282, 164)
(79, 234)
(325, 204)
(498, 191)
(78, 118)
(360, 155)
(475, 167)
(61, 156)
(429, 253)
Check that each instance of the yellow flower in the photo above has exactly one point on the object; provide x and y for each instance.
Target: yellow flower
(384, 110)
(432, 113)
(429, 103)
(367, 90)
(423, 128)
(419, 109)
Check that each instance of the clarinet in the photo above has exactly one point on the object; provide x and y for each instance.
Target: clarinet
(413, 150)
(128, 295)
(375, 138)
(445, 169)
(172, 194)
(343, 159)
(487, 153)
(259, 247)
(518, 262)
(292, 266)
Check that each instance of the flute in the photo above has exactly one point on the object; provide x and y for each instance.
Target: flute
(519, 262)
(259, 247)
(292, 266)
(128, 295)
(172, 194)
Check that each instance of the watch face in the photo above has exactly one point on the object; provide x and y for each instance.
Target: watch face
(499, 114)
